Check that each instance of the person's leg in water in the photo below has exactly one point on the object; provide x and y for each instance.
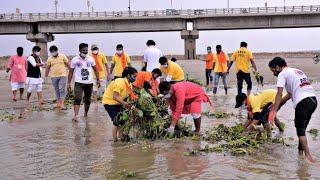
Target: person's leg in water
(207, 78)
(303, 112)
(216, 82)
(39, 93)
(31, 88)
(87, 98)
(247, 78)
(14, 86)
(21, 93)
(55, 84)
(197, 122)
(211, 79)
(78, 91)
(62, 91)
(224, 81)
(239, 81)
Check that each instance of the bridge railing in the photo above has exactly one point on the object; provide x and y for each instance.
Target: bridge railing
(158, 13)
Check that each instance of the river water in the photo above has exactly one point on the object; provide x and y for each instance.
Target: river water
(47, 145)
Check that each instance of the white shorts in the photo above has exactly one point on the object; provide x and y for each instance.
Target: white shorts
(17, 85)
(102, 88)
(35, 87)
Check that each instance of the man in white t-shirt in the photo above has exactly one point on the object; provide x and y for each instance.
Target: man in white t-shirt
(151, 56)
(83, 65)
(302, 94)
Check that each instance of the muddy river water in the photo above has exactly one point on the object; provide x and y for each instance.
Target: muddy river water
(48, 145)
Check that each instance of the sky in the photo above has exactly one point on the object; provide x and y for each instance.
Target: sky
(263, 40)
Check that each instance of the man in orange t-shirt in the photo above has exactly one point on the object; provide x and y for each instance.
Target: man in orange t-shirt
(209, 67)
(148, 81)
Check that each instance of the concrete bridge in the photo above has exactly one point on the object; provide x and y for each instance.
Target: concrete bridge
(40, 27)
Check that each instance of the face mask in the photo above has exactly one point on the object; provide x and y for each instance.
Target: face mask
(167, 96)
(95, 52)
(119, 52)
(165, 65)
(19, 53)
(83, 55)
(132, 79)
(208, 50)
(245, 107)
(54, 54)
(37, 53)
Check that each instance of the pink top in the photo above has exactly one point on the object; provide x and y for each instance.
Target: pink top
(18, 66)
(186, 99)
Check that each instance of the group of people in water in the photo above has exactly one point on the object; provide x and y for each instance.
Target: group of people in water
(163, 77)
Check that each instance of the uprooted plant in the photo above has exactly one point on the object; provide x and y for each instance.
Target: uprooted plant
(148, 118)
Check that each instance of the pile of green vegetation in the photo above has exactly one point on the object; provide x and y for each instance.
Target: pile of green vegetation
(218, 114)
(196, 81)
(148, 118)
(233, 140)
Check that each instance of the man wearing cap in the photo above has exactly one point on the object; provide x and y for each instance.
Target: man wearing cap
(103, 69)
(259, 105)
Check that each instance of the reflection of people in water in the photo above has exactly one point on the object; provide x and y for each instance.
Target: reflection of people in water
(183, 166)
(138, 159)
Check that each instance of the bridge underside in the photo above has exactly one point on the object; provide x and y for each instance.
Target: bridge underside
(160, 24)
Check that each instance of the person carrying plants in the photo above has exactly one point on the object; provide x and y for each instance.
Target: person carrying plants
(259, 105)
(148, 81)
(172, 72)
(184, 98)
(113, 98)
(302, 94)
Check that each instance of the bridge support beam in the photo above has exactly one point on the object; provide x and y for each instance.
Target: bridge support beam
(41, 39)
(190, 43)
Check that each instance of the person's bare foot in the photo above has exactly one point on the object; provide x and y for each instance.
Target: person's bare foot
(75, 119)
(14, 99)
(27, 103)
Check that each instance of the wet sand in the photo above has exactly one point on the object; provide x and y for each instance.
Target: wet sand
(48, 145)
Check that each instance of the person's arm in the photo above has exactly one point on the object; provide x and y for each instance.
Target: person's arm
(47, 70)
(10, 64)
(277, 102)
(253, 64)
(96, 72)
(33, 62)
(112, 67)
(119, 100)
(229, 66)
(71, 70)
(147, 87)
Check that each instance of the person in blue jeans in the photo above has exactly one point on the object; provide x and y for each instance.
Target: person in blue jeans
(220, 65)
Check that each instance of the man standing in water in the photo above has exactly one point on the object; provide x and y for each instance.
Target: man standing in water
(151, 56)
(34, 75)
(103, 69)
(83, 65)
(220, 64)
(301, 92)
(18, 66)
(242, 57)
(209, 67)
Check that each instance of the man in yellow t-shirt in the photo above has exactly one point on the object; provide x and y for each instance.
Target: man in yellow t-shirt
(119, 62)
(103, 69)
(173, 73)
(57, 65)
(243, 57)
(220, 64)
(259, 106)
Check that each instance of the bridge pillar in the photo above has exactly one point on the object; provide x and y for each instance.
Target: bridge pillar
(190, 43)
(41, 39)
